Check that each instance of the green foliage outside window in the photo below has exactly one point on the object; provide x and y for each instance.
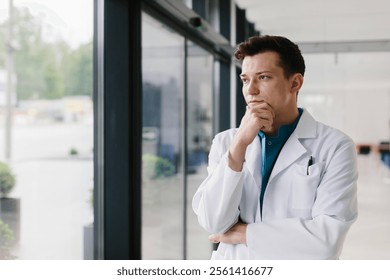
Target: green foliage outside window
(45, 70)
(155, 167)
(7, 180)
(6, 236)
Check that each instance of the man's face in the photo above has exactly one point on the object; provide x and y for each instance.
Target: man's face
(264, 81)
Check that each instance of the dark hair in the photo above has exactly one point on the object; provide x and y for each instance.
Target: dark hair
(291, 59)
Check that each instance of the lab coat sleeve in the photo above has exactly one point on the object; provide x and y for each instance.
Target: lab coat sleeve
(216, 202)
(333, 212)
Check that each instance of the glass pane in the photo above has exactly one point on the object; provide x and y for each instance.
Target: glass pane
(50, 152)
(162, 174)
(199, 136)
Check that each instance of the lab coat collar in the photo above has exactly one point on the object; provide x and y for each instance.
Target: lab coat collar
(293, 148)
(307, 126)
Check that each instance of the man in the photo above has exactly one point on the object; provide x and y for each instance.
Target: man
(282, 185)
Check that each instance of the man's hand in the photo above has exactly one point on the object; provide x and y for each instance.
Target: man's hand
(259, 116)
(235, 235)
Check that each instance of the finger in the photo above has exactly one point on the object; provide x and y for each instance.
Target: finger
(265, 125)
(265, 129)
(263, 119)
(264, 115)
(214, 238)
(261, 111)
(260, 107)
(260, 120)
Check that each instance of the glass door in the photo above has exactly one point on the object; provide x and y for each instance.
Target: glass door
(177, 132)
(199, 137)
(162, 171)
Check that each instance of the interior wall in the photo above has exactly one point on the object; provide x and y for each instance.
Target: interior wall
(351, 92)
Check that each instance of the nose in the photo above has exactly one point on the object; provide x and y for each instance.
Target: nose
(253, 87)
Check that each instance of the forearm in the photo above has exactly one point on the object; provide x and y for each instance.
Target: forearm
(236, 155)
(216, 203)
(235, 235)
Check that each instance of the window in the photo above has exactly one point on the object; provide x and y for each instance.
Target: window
(176, 82)
(50, 152)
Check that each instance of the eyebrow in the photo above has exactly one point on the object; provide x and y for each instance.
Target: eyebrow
(257, 73)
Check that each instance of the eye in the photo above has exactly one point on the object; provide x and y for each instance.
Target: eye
(264, 77)
(244, 80)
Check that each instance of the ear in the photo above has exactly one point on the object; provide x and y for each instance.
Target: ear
(296, 82)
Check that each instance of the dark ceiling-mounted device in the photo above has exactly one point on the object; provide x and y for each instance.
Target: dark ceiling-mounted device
(196, 22)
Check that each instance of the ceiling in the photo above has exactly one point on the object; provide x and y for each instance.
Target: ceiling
(339, 31)
(346, 45)
(321, 20)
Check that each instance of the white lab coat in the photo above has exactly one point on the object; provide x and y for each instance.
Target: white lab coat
(304, 216)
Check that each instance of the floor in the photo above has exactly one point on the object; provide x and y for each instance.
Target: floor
(369, 237)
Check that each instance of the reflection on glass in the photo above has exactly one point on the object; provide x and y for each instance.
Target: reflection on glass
(199, 136)
(162, 174)
(47, 208)
(166, 227)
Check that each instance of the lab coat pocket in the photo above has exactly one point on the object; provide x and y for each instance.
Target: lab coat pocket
(304, 185)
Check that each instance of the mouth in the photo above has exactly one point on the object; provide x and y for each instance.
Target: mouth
(255, 101)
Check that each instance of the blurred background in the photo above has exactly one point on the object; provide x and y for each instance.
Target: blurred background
(189, 93)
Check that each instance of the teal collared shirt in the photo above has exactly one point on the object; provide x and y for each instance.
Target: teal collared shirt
(271, 147)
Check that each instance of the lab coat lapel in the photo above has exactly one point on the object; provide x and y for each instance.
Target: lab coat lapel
(253, 160)
(293, 148)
